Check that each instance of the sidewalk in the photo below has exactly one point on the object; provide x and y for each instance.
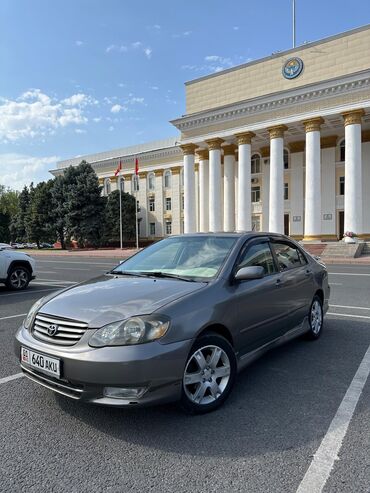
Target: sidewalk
(103, 253)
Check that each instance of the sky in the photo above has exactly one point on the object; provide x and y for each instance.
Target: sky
(85, 76)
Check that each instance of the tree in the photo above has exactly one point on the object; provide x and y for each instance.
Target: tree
(111, 218)
(59, 208)
(39, 225)
(85, 205)
(9, 206)
(18, 224)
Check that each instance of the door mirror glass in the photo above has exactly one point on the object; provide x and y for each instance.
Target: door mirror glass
(251, 272)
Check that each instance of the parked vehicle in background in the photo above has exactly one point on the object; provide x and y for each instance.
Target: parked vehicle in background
(18, 246)
(175, 321)
(5, 246)
(16, 269)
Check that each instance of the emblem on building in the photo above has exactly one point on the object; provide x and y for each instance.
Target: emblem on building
(292, 68)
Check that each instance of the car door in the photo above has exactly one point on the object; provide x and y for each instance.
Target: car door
(296, 281)
(257, 302)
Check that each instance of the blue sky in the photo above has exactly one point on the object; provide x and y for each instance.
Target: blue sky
(83, 76)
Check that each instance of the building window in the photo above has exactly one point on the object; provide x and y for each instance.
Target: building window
(152, 229)
(256, 164)
(342, 151)
(256, 194)
(341, 185)
(151, 181)
(167, 179)
(286, 159)
(121, 183)
(182, 202)
(135, 183)
(151, 204)
(107, 186)
(168, 227)
(168, 203)
(286, 191)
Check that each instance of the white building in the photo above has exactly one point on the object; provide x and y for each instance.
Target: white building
(278, 144)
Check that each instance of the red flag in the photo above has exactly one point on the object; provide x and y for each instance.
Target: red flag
(136, 166)
(118, 169)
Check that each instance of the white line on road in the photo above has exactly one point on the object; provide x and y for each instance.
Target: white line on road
(347, 274)
(10, 378)
(349, 307)
(14, 316)
(62, 281)
(347, 315)
(336, 284)
(79, 262)
(326, 455)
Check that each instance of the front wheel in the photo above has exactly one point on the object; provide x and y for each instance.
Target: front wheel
(18, 278)
(315, 319)
(209, 374)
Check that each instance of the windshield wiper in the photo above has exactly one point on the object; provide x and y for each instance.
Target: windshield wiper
(165, 274)
(127, 273)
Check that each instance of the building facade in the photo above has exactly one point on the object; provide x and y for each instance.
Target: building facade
(279, 144)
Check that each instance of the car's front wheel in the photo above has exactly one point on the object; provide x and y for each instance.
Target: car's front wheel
(315, 318)
(209, 374)
(18, 278)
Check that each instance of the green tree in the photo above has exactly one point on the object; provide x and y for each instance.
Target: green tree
(9, 206)
(39, 225)
(18, 224)
(85, 205)
(111, 218)
(59, 208)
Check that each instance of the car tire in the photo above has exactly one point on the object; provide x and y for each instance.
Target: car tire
(18, 278)
(315, 319)
(209, 374)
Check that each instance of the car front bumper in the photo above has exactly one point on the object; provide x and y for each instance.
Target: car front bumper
(86, 371)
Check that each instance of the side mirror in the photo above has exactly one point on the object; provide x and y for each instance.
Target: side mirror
(251, 272)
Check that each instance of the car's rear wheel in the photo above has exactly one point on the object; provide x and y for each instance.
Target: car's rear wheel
(315, 319)
(209, 374)
(18, 278)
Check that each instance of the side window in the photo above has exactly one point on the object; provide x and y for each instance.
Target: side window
(258, 254)
(288, 256)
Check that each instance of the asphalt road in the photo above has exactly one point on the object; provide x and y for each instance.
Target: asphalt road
(270, 436)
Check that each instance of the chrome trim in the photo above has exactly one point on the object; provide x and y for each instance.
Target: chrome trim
(69, 331)
(51, 384)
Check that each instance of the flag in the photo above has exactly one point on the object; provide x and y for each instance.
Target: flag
(136, 166)
(118, 169)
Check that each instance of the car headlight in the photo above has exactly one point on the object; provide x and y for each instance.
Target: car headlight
(28, 321)
(135, 330)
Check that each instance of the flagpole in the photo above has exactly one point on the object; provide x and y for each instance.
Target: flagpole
(136, 222)
(294, 43)
(120, 210)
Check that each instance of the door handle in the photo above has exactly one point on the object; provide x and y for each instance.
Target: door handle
(308, 272)
(278, 283)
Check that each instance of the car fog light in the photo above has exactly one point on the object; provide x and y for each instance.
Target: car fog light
(123, 393)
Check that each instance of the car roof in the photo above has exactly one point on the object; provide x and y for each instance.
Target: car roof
(237, 234)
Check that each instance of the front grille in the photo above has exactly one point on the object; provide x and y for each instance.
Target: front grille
(68, 332)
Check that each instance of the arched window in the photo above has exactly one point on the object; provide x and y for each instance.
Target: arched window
(107, 186)
(151, 181)
(135, 183)
(167, 179)
(256, 163)
(182, 177)
(342, 150)
(121, 183)
(286, 159)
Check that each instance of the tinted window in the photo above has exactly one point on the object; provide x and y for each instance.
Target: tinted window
(288, 256)
(258, 254)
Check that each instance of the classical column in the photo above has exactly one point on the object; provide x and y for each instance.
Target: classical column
(215, 217)
(276, 202)
(203, 190)
(189, 188)
(353, 172)
(229, 187)
(244, 217)
(312, 213)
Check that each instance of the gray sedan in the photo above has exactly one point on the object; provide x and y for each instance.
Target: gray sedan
(177, 321)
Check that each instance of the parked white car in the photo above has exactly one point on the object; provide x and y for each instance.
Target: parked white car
(16, 268)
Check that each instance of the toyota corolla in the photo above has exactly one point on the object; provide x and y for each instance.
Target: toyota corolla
(177, 321)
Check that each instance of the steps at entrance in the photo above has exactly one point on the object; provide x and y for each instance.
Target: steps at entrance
(366, 249)
(315, 249)
(341, 249)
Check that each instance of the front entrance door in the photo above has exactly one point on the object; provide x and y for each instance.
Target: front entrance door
(340, 224)
(286, 224)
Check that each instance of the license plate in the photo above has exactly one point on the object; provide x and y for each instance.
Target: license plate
(42, 362)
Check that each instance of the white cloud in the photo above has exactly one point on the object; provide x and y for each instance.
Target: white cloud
(154, 88)
(135, 100)
(35, 114)
(79, 43)
(236, 28)
(116, 108)
(17, 170)
(184, 34)
(157, 26)
(111, 128)
(216, 63)
(97, 119)
(136, 45)
(121, 84)
(148, 52)
(80, 131)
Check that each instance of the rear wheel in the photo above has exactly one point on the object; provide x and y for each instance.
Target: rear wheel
(315, 319)
(209, 374)
(18, 278)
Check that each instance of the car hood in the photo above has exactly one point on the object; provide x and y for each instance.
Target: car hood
(109, 298)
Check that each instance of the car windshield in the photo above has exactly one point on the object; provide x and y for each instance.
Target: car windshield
(190, 257)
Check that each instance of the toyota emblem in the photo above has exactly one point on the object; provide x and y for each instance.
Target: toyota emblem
(52, 330)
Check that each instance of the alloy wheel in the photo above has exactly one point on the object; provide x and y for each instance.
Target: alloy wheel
(18, 279)
(316, 317)
(206, 375)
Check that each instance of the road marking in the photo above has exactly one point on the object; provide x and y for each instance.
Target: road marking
(14, 316)
(347, 274)
(52, 271)
(327, 453)
(79, 262)
(11, 377)
(62, 281)
(64, 268)
(347, 315)
(336, 284)
(350, 307)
